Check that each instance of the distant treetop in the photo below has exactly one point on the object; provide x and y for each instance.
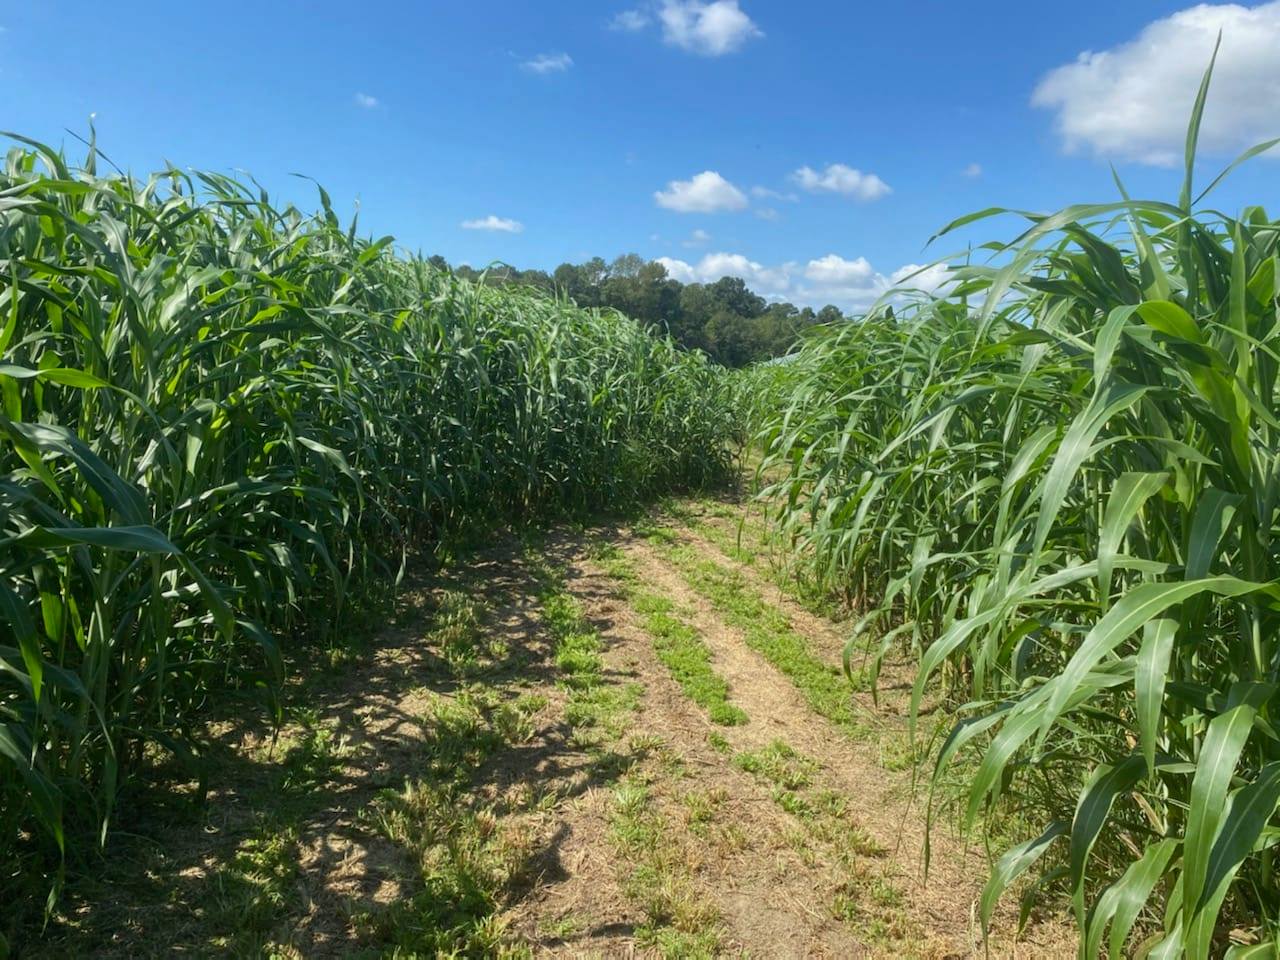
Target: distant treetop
(733, 325)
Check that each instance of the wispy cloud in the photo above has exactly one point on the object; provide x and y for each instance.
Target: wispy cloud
(767, 193)
(972, 170)
(631, 21)
(545, 63)
(492, 222)
(366, 101)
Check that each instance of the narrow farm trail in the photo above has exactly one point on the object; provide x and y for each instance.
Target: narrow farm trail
(628, 741)
(859, 759)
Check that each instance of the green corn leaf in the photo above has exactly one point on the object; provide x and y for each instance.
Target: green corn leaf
(1212, 519)
(1223, 743)
(1011, 865)
(1120, 904)
(140, 539)
(1193, 129)
(1092, 810)
(14, 613)
(1144, 602)
(1170, 319)
(1150, 674)
(1131, 491)
(1076, 447)
(1245, 816)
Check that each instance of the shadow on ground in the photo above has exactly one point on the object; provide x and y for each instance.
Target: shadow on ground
(291, 851)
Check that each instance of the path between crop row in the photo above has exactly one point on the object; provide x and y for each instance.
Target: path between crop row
(624, 742)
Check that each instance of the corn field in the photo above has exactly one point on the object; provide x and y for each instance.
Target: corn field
(1058, 485)
(226, 426)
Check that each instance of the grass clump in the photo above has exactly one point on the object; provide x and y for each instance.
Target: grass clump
(457, 632)
(826, 835)
(469, 856)
(471, 852)
(766, 630)
(677, 644)
(751, 541)
(596, 709)
(678, 920)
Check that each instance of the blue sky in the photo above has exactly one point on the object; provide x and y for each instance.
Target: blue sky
(811, 147)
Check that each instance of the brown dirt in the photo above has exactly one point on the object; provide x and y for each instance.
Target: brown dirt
(155, 897)
(760, 887)
(882, 802)
(827, 637)
(750, 863)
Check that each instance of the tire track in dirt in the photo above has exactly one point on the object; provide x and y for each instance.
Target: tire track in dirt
(760, 886)
(891, 704)
(881, 800)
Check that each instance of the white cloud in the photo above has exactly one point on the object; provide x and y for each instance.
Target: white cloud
(366, 101)
(851, 284)
(679, 270)
(854, 285)
(764, 280)
(767, 213)
(707, 192)
(545, 63)
(835, 271)
(1132, 101)
(972, 170)
(913, 276)
(491, 222)
(630, 21)
(710, 29)
(699, 238)
(838, 178)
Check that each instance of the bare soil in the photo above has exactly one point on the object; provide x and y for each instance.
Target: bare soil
(767, 881)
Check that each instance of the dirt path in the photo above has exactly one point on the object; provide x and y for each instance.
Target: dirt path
(736, 855)
(625, 742)
(855, 765)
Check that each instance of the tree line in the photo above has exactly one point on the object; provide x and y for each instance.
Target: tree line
(733, 325)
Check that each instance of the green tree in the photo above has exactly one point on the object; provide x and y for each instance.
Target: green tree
(731, 293)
